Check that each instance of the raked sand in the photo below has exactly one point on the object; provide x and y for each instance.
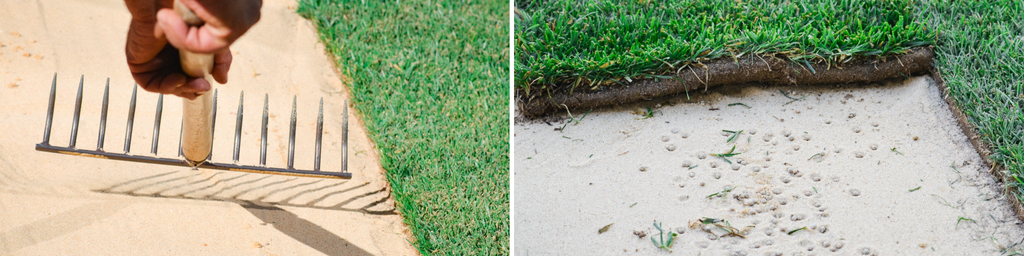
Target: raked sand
(53, 204)
(847, 170)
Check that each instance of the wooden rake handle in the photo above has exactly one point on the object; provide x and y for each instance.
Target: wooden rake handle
(197, 115)
(194, 64)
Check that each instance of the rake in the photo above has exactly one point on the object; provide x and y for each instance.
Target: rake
(99, 152)
(199, 116)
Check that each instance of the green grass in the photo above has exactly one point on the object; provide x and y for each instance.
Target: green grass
(980, 53)
(661, 243)
(590, 44)
(431, 81)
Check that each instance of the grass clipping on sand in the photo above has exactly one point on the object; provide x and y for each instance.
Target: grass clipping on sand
(567, 45)
(431, 80)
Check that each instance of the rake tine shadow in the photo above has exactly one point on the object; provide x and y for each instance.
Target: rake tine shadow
(285, 188)
(155, 184)
(325, 196)
(136, 180)
(243, 192)
(196, 182)
(212, 185)
(366, 208)
(347, 201)
(239, 184)
(289, 199)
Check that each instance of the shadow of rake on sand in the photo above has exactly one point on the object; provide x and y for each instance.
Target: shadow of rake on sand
(259, 189)
(262, 195)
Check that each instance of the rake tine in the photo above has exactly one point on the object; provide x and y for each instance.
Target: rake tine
(263, 133)
(156, 123)
(78, 112)
(213, 124)
(344, 139)
(291, 137)
(238, 127)
(319, 134)
(103, 117)
(131, 119)
(49, 111)
(181, 131)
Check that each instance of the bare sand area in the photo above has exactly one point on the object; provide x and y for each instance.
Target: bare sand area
(54, 204)
(880, 169)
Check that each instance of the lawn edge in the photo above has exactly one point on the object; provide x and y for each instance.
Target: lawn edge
(764, 69)
(360, 117)
(984, 149)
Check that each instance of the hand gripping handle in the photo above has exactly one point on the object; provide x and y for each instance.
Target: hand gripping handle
(197, 119)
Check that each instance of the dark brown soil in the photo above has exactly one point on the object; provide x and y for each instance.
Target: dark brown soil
(773, 70)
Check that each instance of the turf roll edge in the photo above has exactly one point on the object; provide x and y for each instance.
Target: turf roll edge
(764, 69)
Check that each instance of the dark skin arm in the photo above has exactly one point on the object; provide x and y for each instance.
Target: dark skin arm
(157, 32)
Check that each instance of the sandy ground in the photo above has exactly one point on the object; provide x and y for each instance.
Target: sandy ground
(53, 204)
(856, 170)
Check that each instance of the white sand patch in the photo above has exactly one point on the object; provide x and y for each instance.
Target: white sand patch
(873, 170)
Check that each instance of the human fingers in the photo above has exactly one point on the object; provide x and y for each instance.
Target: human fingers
(221, 65)
(159, 82)
(141, 46)
(176, 84)
(229, 17)
(163, 74)
(160, 73)
(194, 87)
(142, 10)
(203, 39)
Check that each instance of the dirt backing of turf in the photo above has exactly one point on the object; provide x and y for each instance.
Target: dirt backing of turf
(771, 70)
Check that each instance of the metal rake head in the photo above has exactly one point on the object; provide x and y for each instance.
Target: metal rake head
(234, 166)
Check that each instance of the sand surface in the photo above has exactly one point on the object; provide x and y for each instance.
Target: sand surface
(848, 170)
(53, 204)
